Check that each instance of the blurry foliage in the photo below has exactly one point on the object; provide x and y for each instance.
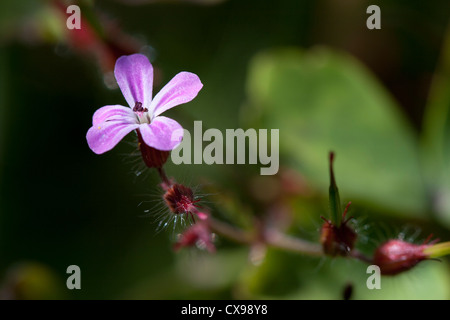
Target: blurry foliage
(305, 278)
(60, 204)
(436, 142)
(32, 281)
(324, 101)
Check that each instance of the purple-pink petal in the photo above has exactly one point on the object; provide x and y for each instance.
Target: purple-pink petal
(115, 112)
(134, 74)
(163, 133)
(181, 89)
(104, 136)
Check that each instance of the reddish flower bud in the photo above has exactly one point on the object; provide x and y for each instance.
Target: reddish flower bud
(180, 199)
(395, 256)
(152, 157)
(337, 240)
(197, 235)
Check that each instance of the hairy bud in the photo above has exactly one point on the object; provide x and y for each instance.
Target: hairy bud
(395, 256)
(180, 199)
(337, 240)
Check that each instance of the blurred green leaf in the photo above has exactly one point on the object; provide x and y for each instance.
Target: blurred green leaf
(429, 280)
(323, 100)
(32, 281)
(287, 276)
(276, 277)
(196, 275)
(436, 136)
(13, 15)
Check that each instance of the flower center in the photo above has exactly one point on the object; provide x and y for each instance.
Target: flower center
(141, 113)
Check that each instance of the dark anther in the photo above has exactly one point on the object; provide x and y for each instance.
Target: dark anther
(138, 107)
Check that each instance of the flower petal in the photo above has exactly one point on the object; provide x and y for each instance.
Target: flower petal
(115, 112)
(134, 74)
(104, 136)
(181, 89)
(163, 133)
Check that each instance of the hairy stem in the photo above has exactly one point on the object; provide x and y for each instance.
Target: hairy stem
(163, 176)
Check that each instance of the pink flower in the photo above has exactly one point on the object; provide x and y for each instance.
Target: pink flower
(134, 74)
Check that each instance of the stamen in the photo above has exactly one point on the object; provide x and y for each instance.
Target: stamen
(141, 113)
(138, 107)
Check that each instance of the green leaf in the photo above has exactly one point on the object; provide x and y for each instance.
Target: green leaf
(436, 137)
(195, 274)
(288, 276)
(323, 100)
(429, 280)
(32, 281)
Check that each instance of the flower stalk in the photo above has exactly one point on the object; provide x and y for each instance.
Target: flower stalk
(437, 250)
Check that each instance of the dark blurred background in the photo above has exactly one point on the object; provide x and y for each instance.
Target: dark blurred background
(61, 204)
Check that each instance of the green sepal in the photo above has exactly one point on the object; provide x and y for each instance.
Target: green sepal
(335, 200)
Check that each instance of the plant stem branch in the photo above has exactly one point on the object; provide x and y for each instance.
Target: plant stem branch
(271, 237)
(276, 239)
(360, 256)
(230, 232)
(163, 176)
(289, 243)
